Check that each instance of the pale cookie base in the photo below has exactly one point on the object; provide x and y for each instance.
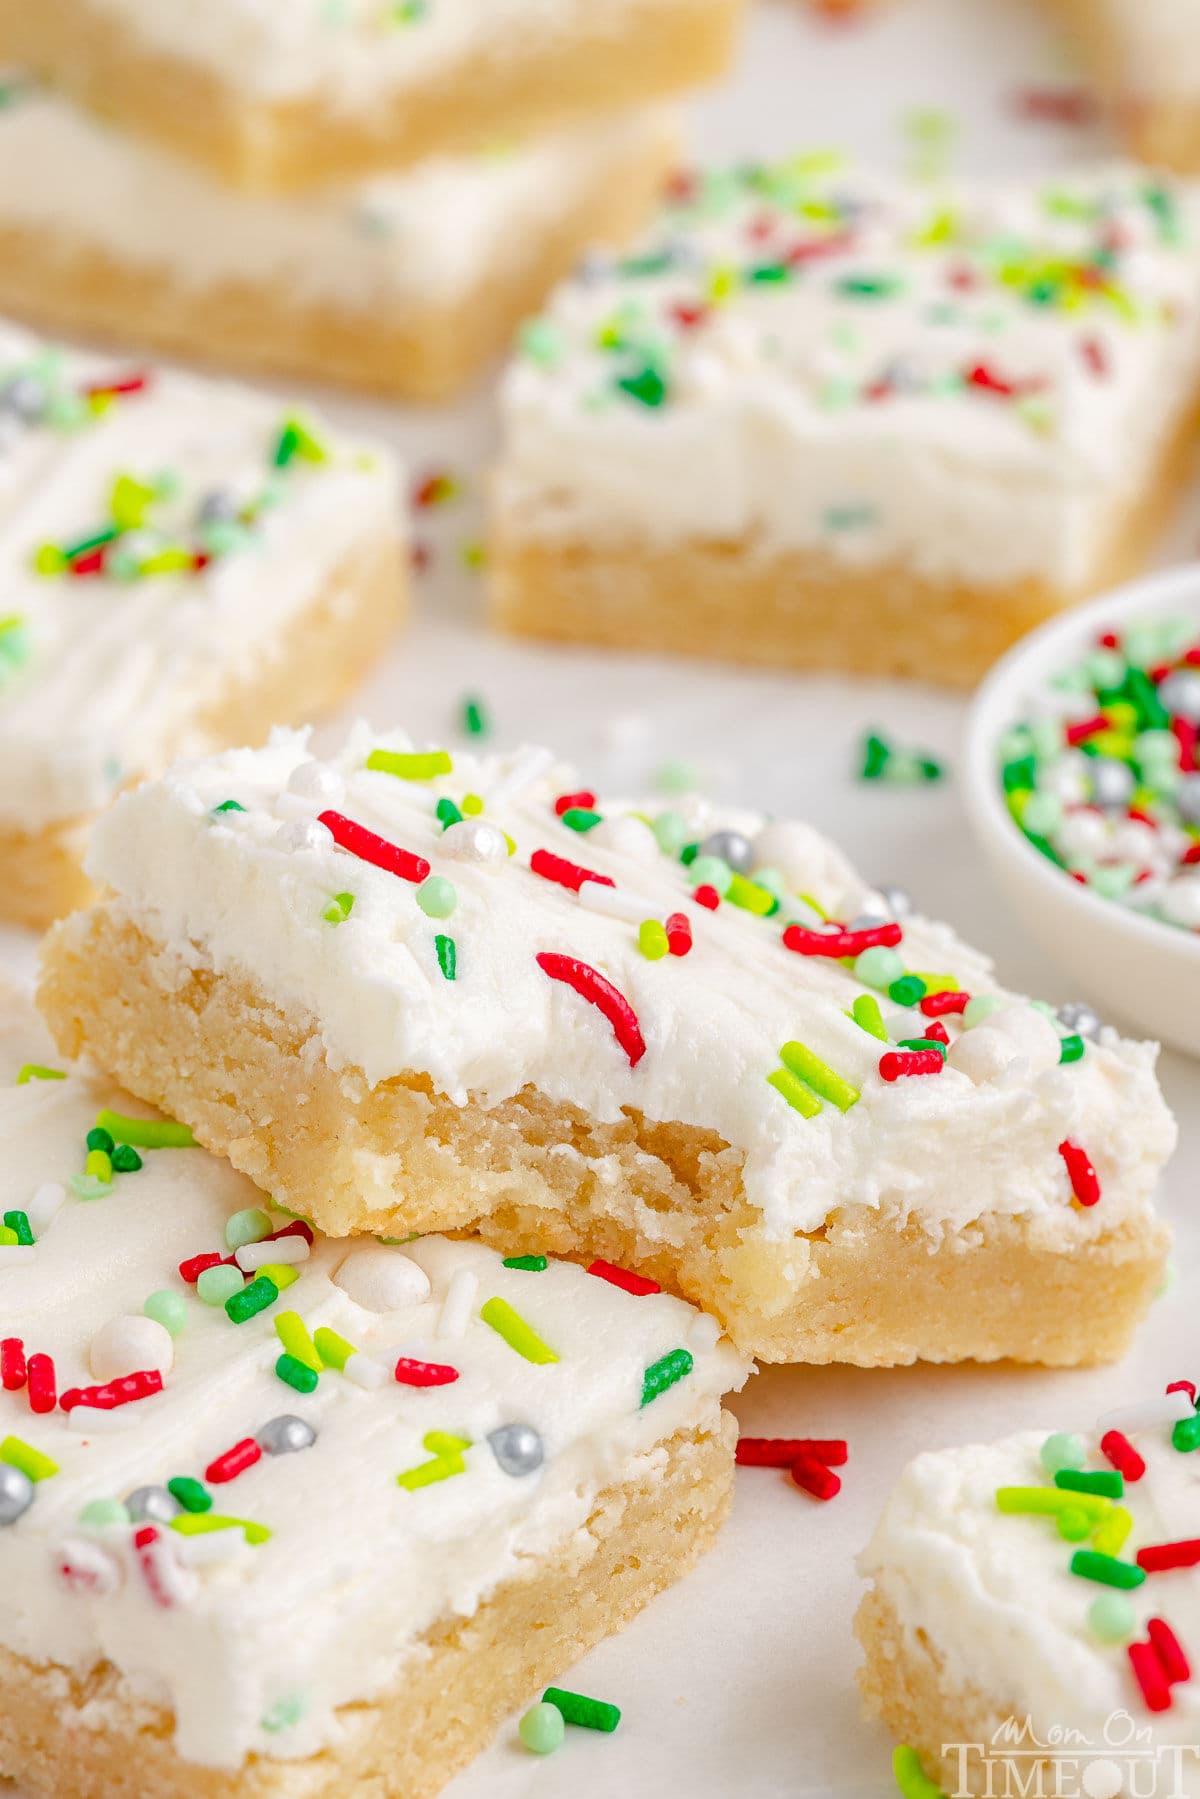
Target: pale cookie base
(905, 1682)
(661, 47)
(799, 608)
(412, 349)
(531, 1175)
(1159, 129)
(91, 1738)
(311, 667)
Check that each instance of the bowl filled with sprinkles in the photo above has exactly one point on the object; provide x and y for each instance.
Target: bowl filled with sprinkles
(1083, 786)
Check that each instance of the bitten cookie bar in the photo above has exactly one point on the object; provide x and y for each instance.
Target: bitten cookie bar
(1035, 1608)
(818, 420)
(1144, 56)
(287, 97)
(183, 564)
(281, 1515)
(406, 284)
(409, 992)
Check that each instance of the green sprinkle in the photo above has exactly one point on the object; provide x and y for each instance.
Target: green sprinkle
(98, 1139)
(437, 897)
(31, 1462)
(102, 1512)
(33, 1071)
(192, 1495)
(520, 1336)
(542, 1729)
(474, 717)
(909, 990)
(652, 940)
(795, 1092)
(215, 1286)
(287, 1712)
(528, 1264)
(229, 806)
(249, 1226)
(411, 765)
(664, 1373)
(254, 1298)
(146, 1133)
(168, 1309)
(1106, 1568)
(448, 813)
(1071, 1048)
(295, 440)
(579, 818)
(125, 1159)
(645, 385)
(18, 1223)
(339, 908)
(922, 1044)
(1186, 1434)
(818, 1075)
(296, 1374)
(1108, 1483)
(447, 955)
(1062, 1450)
(85, 1186)
(591, 1714)
(910, 1776)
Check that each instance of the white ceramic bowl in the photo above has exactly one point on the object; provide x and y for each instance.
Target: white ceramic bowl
(1134, 970)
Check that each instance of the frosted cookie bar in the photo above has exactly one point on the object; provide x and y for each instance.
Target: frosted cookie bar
(405, 991)
(285, 97)
(183, 564)
(406, 284)
(1144, 56)
(280, 1514)
(1034, 1607)
(820, 420)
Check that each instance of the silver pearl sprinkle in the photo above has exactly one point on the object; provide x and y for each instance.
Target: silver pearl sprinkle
(26, 396)
(1187, 798)
(16, 1493)
(286, 1434)
(1180, 693)
(1077, 1018)
(1112, 782)
(898, 900)
(152, 1505)
(731, 847)
(517, 1448)
(217, 508)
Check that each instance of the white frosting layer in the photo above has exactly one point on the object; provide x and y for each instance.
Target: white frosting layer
(355, 53)
(330, 1610)
(437, 232)
(995, 1598)
(1158, 43)
(819, 345)
(233, 891)
(114, 675)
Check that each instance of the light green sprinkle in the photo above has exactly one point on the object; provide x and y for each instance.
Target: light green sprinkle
(333, 1349)
(86, 1186)
(285, 1714)
(100, 1513)
(437, 897)
(809, 1068)
(1111, 1618)
(249, 1226)
(542, 1728)
(1062, 1450)
(795, 1092)
(878, 967)
(215, 1285)
(865, 1012)
(520, 1336)
(19, 1454)
(34, 1071)
(168, 1309)
(447, 1452)
(203, 1524)
(339, 908)
(411, 765)
(145, 1133)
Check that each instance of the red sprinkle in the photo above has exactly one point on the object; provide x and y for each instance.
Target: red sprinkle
(1084, 728)
(1095, 356)
(936, 1033)
(235, 1461)
(90, 564)
(43, 1384)
(1148, 1671)
(1055, 105)
(815, 1477)
(840, 943)
(364, 844)
(564, 873)
(114, 1393)
(13, 1367)
(704, 895)
(936, 1005)
(125, 384)
(785, 1452)
(1084, 1182)
(424, 1374)
(592, 986)
(1169, 1649)
(679, 934)
(1182, 1386)
(637, 1284)
(1161, 1558)
(194, 1267)
(1186, 734)
(1123, 1456)
(910, 1061)
(571, 802)
(687, 317)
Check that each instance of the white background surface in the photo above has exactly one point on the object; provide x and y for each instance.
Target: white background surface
(741, 1680)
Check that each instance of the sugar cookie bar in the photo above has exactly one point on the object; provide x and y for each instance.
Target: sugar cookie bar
(820, 420)
(406, 991)
(279, 98)
(406, 284)
(1144, 56)
(1034, 1608)
(183, 564)
(278, 1514)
